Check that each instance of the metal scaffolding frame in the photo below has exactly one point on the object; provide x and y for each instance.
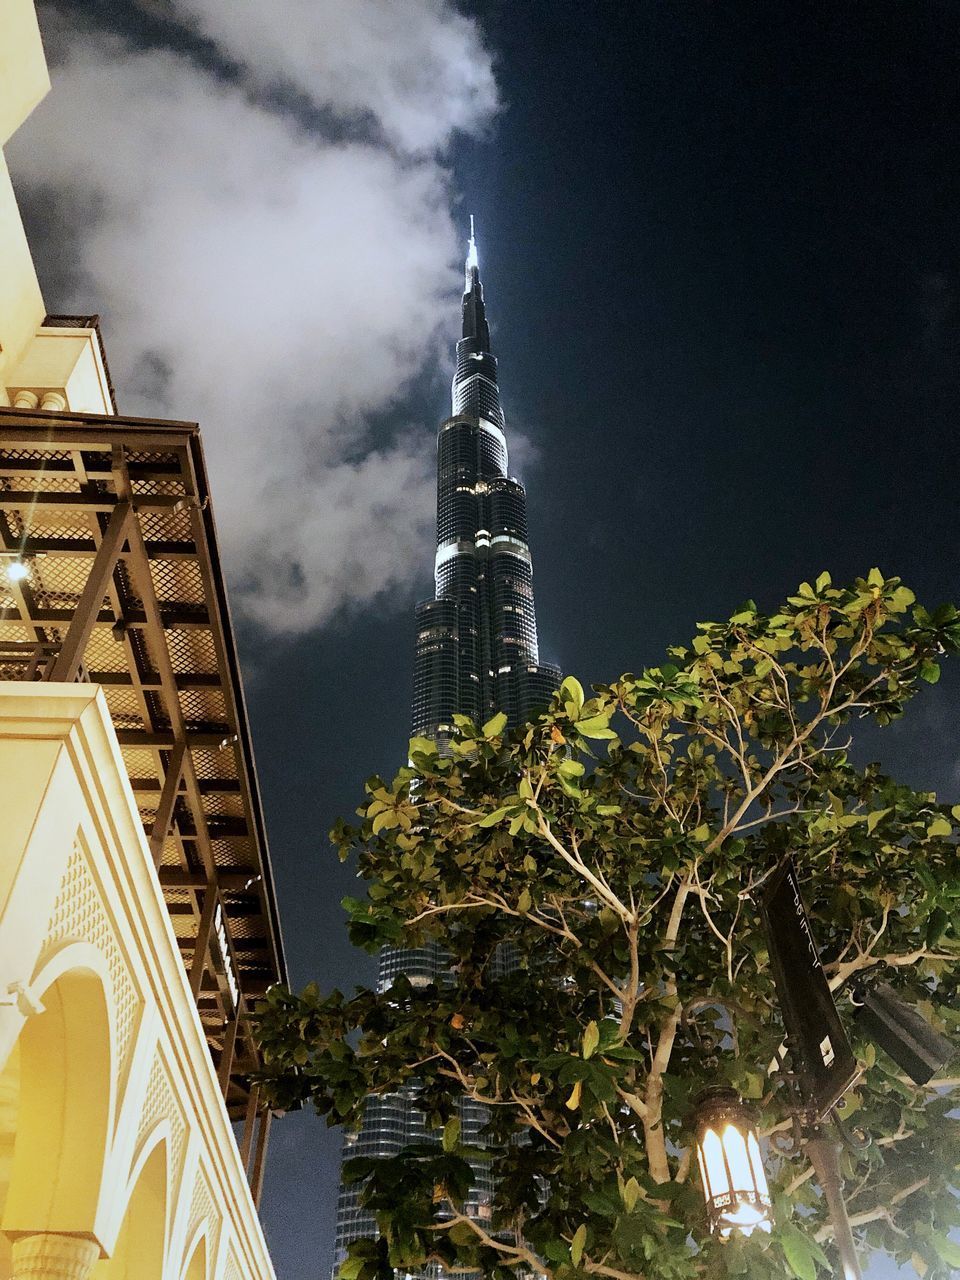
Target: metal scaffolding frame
(121, 585)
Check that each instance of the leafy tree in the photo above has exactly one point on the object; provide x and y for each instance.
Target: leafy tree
(615, 847)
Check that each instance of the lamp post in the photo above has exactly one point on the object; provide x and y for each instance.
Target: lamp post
(823, 1063)
(823, 1069)
(822, 1151)
(731, 1166)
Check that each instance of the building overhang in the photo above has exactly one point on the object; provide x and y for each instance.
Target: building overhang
(121, 585)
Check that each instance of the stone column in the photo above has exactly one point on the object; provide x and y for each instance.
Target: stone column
(52, 1257)
(53, 400)
(26, 400)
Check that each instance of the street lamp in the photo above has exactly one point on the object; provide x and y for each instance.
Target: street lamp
(728, 1150)
(731, 1168)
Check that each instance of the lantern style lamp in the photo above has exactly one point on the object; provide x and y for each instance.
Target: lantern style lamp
(731, 1170)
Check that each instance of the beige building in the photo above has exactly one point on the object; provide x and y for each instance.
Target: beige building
(137, 915)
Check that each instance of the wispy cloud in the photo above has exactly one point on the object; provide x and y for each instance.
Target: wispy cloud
(270, 279)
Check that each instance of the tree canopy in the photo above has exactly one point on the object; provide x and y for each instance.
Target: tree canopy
(615, 847)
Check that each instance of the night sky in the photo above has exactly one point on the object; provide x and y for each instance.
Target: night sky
(719, 250)
(719, 247)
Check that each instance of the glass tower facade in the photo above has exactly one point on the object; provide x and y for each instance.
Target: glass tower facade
(476, 654)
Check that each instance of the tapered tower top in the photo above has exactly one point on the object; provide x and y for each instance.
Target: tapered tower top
(473, 262)
(475, 325)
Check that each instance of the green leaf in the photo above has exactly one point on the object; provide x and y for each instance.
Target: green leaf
(595, 727)
(350, 1268)
(422, 746)
(591, 1038)
(745, 615)
(798, 1252)
(930, 671)
(631, 1194)
(600, 1203)
(572, 691)
(451, 1134)
(939, 827)
(577, 1244)
(823, 581)
(753, 1085)
(556, 1250)
(491, 819)
(947, 1249)
(873, 818)
(571, 769)
(937, 926)
(875, 578)
(702, 833)
(495, 725)
(524, 902)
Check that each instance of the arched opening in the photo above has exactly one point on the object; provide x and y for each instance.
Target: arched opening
(141, 1244)
(56, 1101)
(197, 1266)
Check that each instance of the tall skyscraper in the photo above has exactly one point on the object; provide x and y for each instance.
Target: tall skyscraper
(476, 654)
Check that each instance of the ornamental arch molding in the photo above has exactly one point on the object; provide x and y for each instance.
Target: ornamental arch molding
(114, 1138)
(197, 1267)
(140, 1250)
(64, 1114)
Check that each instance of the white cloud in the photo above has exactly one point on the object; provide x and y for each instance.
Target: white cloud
(417, 67)
(276, 285)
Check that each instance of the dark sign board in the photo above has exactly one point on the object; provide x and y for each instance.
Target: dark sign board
(823, 1059)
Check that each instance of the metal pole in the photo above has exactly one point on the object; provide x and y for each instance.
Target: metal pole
(260, 1156)
(826, 1162)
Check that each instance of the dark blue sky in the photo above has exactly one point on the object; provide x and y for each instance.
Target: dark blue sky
(719, 248)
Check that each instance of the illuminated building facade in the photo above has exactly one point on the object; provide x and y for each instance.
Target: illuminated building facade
(477, 650)
(138, 922)
(476, 654)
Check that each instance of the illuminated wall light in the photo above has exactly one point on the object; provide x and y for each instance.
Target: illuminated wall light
(17, 571)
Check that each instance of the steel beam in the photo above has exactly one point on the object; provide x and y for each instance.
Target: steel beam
(260, 1157)
(71, 652)
(168, 800)
(249, 1122)
(227, 881)
(201, 949)
(225, 1065)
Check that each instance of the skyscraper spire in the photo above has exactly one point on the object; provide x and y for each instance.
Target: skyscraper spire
(476, 654)
(475, 325)
(473, 262)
